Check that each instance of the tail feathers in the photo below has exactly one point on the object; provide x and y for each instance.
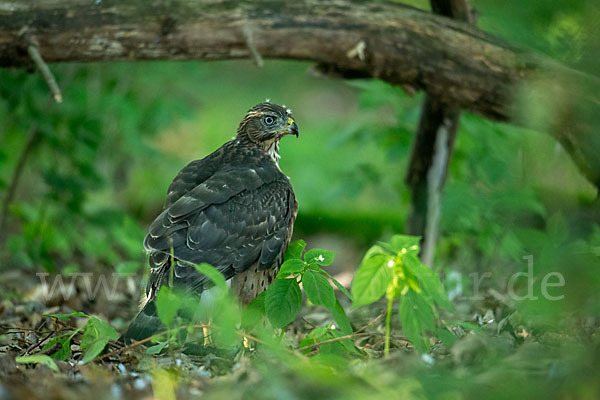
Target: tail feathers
(144, 325)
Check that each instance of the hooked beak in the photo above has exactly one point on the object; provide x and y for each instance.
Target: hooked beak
(292, 128)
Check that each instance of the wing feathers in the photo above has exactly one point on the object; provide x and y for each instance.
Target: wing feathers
(233, 218)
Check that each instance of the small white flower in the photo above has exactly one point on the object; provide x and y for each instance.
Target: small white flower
(391, 264)
(321, 258)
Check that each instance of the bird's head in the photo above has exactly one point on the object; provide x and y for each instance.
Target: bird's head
(266, 123)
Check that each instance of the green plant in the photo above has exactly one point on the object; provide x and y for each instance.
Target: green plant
(280, 303)
(394, 269)
(96, 334)
(283, 298)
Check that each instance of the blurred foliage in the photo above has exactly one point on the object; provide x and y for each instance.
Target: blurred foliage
(516, 217)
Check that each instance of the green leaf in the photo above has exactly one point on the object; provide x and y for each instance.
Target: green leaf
(335, 282)
(254, 311)
(371, 280)
(400, 242)
(283, 301)
(318, 289)
(96, 335)
(416, 316)
(167, 305)
(64, 317)
(213, 274)
(38, 359)
(346, 343)
(65, 345)
(339, 314)
(291, 266)
(295, 250)
(446, 336)
(157, 348)
(428, 280)
(226, 320)
(319, 256)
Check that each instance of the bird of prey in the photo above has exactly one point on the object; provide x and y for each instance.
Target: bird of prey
(233, 209)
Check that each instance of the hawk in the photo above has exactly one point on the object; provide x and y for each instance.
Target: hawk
(233, 209)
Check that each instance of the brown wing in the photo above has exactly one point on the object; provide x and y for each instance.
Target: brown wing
(240, 215)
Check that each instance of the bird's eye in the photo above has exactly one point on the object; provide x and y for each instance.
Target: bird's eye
(269, 120)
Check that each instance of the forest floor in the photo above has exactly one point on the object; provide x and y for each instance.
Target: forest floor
(492, 349)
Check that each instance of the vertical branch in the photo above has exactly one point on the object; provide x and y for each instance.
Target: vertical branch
(435, 181)
(12, 189)
(432, 150)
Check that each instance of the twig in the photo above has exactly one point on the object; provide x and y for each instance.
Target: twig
(258, 60)
(10, 194)
(336, 339)
(45, 71)
(349, 336)
(372, 322)
(55, 347)
(39, 343)
(149, 338)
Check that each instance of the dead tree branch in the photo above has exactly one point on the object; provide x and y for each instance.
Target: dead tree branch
(450, 60)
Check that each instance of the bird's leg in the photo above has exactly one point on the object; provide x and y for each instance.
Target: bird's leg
(206, 334)
(247, 343)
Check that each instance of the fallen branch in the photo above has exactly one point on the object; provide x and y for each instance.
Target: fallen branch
(455, 62)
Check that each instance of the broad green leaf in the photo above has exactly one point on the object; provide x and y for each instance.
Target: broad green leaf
(213, 274)
(295, 250)
(283, 301)
(64, 317)
(335, 282)
(398, 243)
(38, 359)
(339, 314)
(379, 249)
(416, 316)
(291, 266)
(318, 289)
(319, 256)
(428, 280)
(96, 335)
(371, 280)
(167, 304)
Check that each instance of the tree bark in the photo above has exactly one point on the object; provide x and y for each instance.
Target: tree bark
(439, 122)
(452, 61)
